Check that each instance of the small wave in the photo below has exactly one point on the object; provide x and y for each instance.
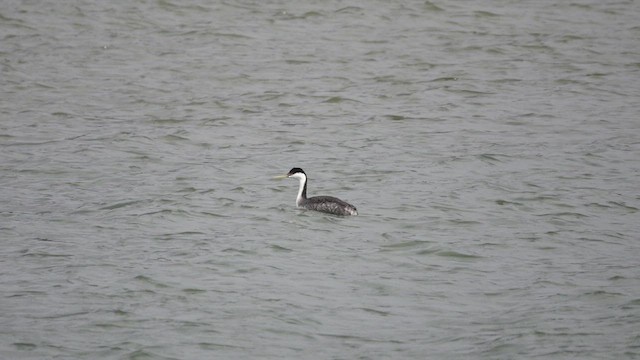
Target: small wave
(458, 255)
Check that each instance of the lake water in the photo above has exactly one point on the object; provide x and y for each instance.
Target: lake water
(492, 149)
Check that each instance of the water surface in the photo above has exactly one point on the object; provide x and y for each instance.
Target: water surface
(492, 150)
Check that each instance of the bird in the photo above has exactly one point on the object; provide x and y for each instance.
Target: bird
(326, 204)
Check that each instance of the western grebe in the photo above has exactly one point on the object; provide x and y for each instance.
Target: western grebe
(328, 204)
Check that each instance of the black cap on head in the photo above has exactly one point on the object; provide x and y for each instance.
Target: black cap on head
(295, 170)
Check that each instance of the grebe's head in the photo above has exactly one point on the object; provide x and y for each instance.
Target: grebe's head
(297, 173)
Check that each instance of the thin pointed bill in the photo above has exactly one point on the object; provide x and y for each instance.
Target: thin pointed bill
(280, 177)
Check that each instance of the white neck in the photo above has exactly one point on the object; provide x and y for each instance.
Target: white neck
(303, 179)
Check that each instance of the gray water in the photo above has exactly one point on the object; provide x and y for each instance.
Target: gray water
(492, 149)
